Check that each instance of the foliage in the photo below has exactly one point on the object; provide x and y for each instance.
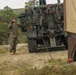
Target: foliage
(18, 11)
(33, 2)
(7, 14)
(22, 38)
(5, 17)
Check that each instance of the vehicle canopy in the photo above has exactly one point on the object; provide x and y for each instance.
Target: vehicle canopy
(70, 15)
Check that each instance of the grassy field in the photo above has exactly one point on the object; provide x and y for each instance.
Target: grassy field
(24, 63)
(21, 68)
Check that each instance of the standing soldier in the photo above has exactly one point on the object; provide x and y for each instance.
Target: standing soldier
(14, 35)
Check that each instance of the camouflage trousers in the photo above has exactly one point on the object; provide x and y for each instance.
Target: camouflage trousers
(13, 44)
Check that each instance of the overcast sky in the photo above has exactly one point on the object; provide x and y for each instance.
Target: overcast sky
(18, 3)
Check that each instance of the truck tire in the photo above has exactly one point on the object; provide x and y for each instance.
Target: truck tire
(32, 45)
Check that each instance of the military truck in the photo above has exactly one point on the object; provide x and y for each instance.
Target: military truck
(44, 26)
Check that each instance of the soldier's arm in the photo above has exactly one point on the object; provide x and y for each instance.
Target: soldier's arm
(18, 25)
(10, 26)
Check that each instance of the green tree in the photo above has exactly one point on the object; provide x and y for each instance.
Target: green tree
(7, 14)
(5, 17)
(33, 3)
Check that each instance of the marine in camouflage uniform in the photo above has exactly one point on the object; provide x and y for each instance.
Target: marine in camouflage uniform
(48, 17)
(14, 35)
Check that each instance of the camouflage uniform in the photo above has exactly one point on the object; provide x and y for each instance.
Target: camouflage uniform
(14, 36)
(49, 20)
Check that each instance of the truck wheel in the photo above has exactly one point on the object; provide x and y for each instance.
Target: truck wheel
(32, 45)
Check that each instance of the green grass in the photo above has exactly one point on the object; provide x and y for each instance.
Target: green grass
(58, 61)
(21, 68)
(3, 51)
